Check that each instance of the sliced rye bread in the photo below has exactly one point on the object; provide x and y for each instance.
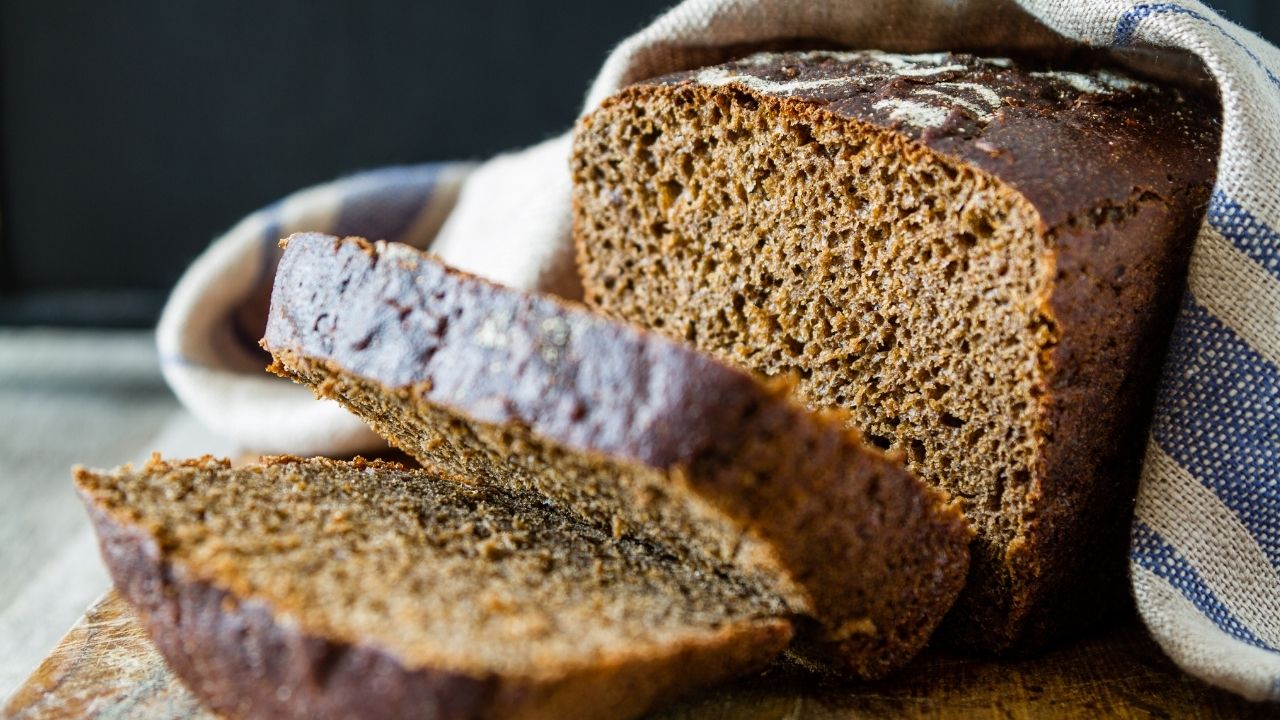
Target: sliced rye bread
(978, 259)
(324, 589)
(629, 432)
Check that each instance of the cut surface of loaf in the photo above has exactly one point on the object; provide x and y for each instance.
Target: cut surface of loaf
(323, 589)
(632, 433)
(978, 259)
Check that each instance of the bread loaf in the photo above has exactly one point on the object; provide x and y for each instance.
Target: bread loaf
(979, 259)
(319, 589)
(633, 434)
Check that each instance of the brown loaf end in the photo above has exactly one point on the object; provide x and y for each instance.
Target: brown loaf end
(630, 432)
(319, 589)
(978, 259)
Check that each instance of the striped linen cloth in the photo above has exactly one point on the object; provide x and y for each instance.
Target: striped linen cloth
(1205, 554)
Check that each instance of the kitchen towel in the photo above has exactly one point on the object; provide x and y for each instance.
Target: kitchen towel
(1205, 554)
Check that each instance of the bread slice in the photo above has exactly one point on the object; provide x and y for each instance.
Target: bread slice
(322, 589)
(629, 432)
(978, 259)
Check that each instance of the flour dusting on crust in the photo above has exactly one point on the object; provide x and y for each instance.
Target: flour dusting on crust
(718, 76)
(920, 104)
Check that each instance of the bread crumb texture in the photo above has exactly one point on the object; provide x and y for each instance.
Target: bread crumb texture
(435, 573)
(973, 258)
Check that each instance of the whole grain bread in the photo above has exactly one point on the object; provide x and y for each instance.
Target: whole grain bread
(978, 258)
(629, 432)
(322, 589)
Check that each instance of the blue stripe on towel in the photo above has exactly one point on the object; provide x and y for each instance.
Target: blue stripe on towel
(1247, 232)
(1152, 552)
(382, 204)
(1218, 415)
(1127, 26)
(268, 250)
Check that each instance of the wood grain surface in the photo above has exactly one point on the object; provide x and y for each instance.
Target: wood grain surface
(106, 668)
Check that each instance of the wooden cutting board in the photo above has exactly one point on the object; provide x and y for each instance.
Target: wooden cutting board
(106, 668)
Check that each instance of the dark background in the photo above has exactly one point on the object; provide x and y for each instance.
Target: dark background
(132, 132)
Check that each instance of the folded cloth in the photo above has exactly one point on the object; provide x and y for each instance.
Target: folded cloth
(208, 334)
(1205, 555)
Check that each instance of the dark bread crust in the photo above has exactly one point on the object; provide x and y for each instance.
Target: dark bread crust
(438, 331)
(1060, 147)
(846, 534)
(241, 660)
(1072, 565)
(1118, 180)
